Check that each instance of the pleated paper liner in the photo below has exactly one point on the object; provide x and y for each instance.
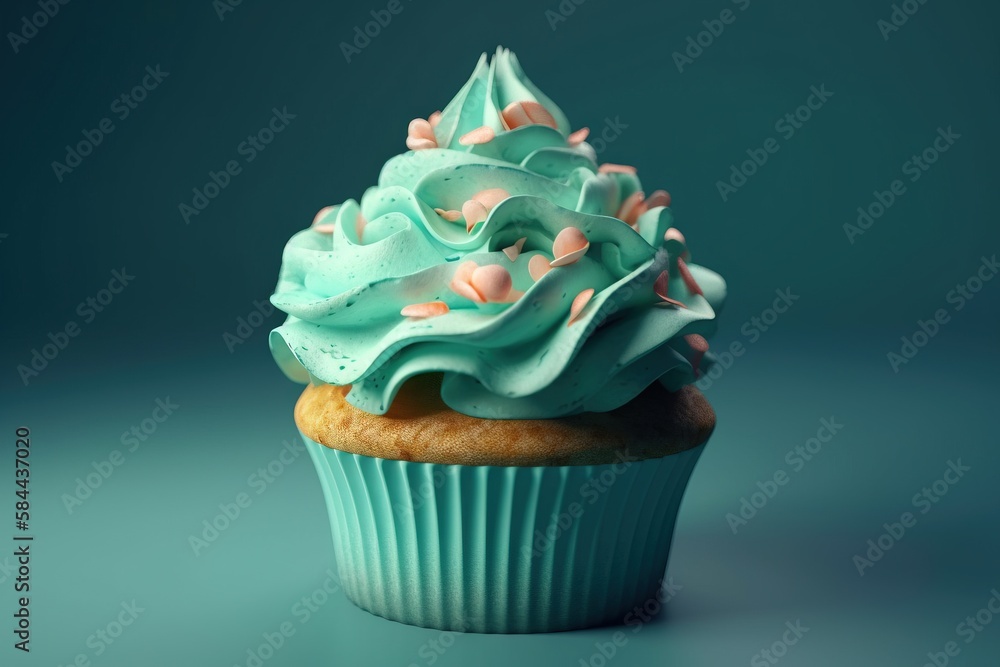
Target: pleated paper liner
(501, 549)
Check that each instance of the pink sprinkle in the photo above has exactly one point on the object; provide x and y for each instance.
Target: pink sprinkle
(513, 296)
(465, 270)
(359, 225)
(491, 197)
(569, 246)
(434, 118)
(421, 310)
(700, 346)
(480, 135)
(492, 282)
(321, 214)
(463, 288)
(321, 227)
(689, 280)
(661, 284)
(474, 213)
(418, 144)
(633, 207)
(421, 129)
(579, 303)
(658, 198)
(538, 266)
(476, 209)
(611, 168)
(578, 137)
(660, 287)
(674, 234)
(697, 343)
(526, 112)
(514, 251)
(449, 215)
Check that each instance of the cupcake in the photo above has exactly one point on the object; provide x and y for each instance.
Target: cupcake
(499, 344)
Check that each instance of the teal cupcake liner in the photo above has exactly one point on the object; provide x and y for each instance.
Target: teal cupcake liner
(501, 549)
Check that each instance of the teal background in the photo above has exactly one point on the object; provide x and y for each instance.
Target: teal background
(163, 335)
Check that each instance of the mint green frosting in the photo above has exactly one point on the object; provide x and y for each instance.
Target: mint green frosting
(500, 360)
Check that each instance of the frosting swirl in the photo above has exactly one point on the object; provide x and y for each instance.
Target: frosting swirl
(498, 253)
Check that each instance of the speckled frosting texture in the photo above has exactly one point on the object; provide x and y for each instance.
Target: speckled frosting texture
(498, 253)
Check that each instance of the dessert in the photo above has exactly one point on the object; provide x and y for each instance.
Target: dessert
(499, 342)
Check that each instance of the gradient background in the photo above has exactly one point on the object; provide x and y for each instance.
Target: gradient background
(826, 357)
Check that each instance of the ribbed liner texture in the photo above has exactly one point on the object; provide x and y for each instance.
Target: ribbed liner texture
(501, 549)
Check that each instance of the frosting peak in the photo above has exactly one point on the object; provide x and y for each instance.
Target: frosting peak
(493, 97)
(497, 252)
